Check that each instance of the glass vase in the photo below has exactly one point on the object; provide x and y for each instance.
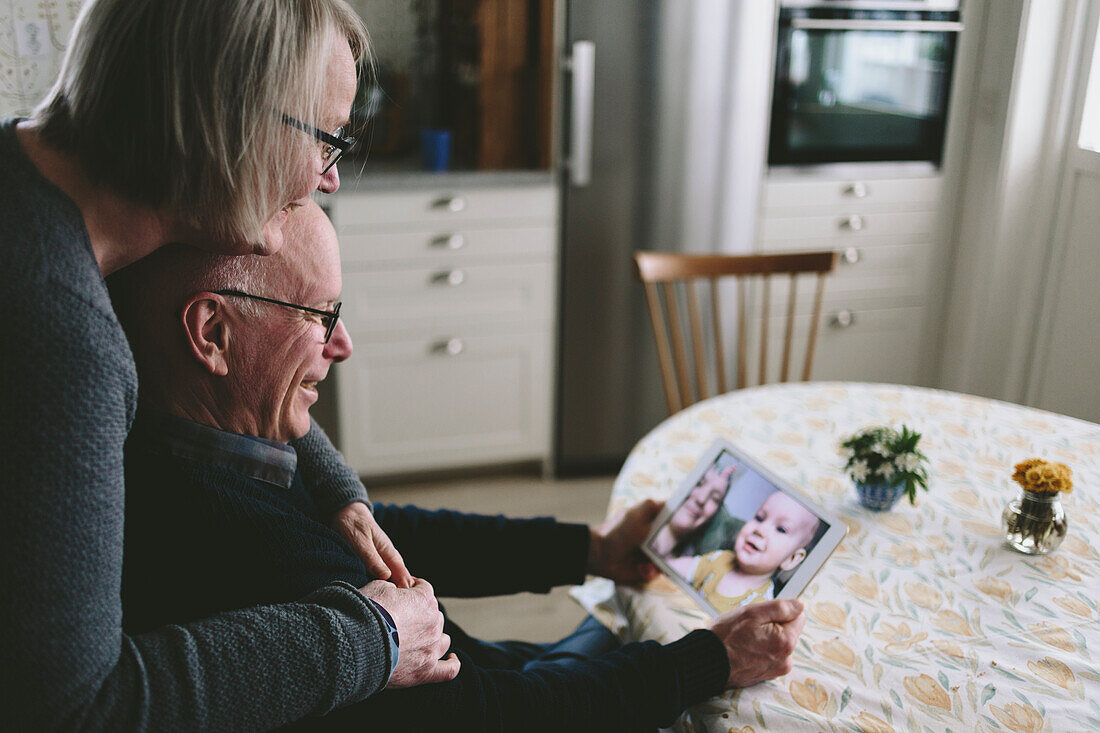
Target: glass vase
(1035, 524)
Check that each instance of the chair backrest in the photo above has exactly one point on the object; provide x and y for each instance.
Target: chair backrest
(669, 269)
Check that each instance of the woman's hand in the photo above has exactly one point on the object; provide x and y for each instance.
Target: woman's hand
(357, 526)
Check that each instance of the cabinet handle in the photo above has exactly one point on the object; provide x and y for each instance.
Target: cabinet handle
(857, 190)
(453, 204)
(842, 319)
(449, 241)
(449, 347)
(852, 223)
(850, 256)
(449, 277)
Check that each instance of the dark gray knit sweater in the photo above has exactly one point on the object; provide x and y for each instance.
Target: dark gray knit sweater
(69, 390)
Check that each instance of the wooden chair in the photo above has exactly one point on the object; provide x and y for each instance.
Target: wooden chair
(668, 269)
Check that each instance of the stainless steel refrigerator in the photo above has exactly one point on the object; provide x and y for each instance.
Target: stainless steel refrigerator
(604, 395)
(679, 100)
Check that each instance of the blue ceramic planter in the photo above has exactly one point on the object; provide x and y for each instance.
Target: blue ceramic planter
(879, 496)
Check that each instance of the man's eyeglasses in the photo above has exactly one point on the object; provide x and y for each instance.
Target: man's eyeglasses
(328, 318)
(335, 145)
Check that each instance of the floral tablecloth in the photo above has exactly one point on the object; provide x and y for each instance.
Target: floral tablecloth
(922, 619)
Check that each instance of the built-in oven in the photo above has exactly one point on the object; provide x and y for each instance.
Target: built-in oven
(862, 80)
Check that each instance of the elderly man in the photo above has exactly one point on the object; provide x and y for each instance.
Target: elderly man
(229, 353)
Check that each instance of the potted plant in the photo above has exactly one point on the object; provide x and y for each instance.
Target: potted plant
(884, 463)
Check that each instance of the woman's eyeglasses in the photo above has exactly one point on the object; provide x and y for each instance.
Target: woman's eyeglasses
(335, 144)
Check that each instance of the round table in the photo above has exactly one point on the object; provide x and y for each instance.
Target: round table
(923, 617)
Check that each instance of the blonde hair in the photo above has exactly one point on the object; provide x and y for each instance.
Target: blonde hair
(178, 104)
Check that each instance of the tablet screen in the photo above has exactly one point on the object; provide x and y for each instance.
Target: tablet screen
(734, 533)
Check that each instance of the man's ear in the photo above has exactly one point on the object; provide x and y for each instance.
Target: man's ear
(792, 562)
(206, 326)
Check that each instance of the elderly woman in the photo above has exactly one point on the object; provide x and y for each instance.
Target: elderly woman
(195, 121)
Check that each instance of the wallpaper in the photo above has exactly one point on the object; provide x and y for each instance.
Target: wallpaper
(33, 34)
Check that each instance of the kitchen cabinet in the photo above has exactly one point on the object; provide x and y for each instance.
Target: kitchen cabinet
(449, 296)
(877, 302)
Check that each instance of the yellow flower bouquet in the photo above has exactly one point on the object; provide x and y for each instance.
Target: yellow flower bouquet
(1036, 523)
(1035, 474)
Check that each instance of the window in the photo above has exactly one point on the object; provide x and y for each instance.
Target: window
(1090, 117)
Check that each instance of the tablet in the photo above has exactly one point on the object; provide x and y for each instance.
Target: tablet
(735, 533)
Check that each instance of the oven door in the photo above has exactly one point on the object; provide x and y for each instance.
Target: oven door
(861, 85)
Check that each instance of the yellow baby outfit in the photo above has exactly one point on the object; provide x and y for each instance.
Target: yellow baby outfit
(711, 569)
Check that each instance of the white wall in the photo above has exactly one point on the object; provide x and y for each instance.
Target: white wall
(1012, 197)
(33, 36)
(1064, 371)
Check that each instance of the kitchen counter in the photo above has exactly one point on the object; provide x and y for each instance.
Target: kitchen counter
(359, 176)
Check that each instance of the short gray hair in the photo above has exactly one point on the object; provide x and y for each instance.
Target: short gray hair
(161, 282)
(177, 104)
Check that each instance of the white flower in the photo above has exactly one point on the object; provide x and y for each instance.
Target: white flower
(887, 470)
(907, 462)
(859, 470)
(881, 449)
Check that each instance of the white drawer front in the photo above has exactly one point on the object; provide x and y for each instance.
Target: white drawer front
(370, 212)
(841, 230)
(848, 289)
(448, 297)
(876, 345)
(853, 192)
(446, 244)
(411, 405)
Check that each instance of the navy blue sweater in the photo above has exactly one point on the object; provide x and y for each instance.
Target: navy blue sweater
(201, 538)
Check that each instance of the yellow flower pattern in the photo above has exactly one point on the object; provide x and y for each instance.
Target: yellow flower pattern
(1018, 717)
(922, 619)
(928, 691)
(1053, 671)
(862, 586)
(836, 652)
(995, 588)
(810, 695)
(869, 723)
(898, 638)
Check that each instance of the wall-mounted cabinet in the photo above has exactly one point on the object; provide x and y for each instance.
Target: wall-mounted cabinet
(479, 72)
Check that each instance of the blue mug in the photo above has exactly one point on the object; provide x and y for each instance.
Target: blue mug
(435, 149)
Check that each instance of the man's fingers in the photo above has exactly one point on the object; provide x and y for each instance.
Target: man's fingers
(445, 669)
(796, 625)
(781, 612)
(423, 587)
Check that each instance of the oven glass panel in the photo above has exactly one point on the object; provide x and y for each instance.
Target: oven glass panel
(859, 95)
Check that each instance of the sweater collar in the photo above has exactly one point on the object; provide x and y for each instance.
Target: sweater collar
(260, 458)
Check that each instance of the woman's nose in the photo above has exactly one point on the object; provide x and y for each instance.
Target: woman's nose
(330, 181)
(339, 346)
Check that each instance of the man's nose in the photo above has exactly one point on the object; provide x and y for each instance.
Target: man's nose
(330, 181)
(338, 347)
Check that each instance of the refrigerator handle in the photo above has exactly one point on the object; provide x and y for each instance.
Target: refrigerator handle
(582, 64)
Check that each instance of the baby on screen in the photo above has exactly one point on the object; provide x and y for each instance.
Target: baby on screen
(774, 539)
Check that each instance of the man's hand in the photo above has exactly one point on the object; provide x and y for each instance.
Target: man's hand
(420, 628)
(356, 525)
(759, 640)
(613, 548)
